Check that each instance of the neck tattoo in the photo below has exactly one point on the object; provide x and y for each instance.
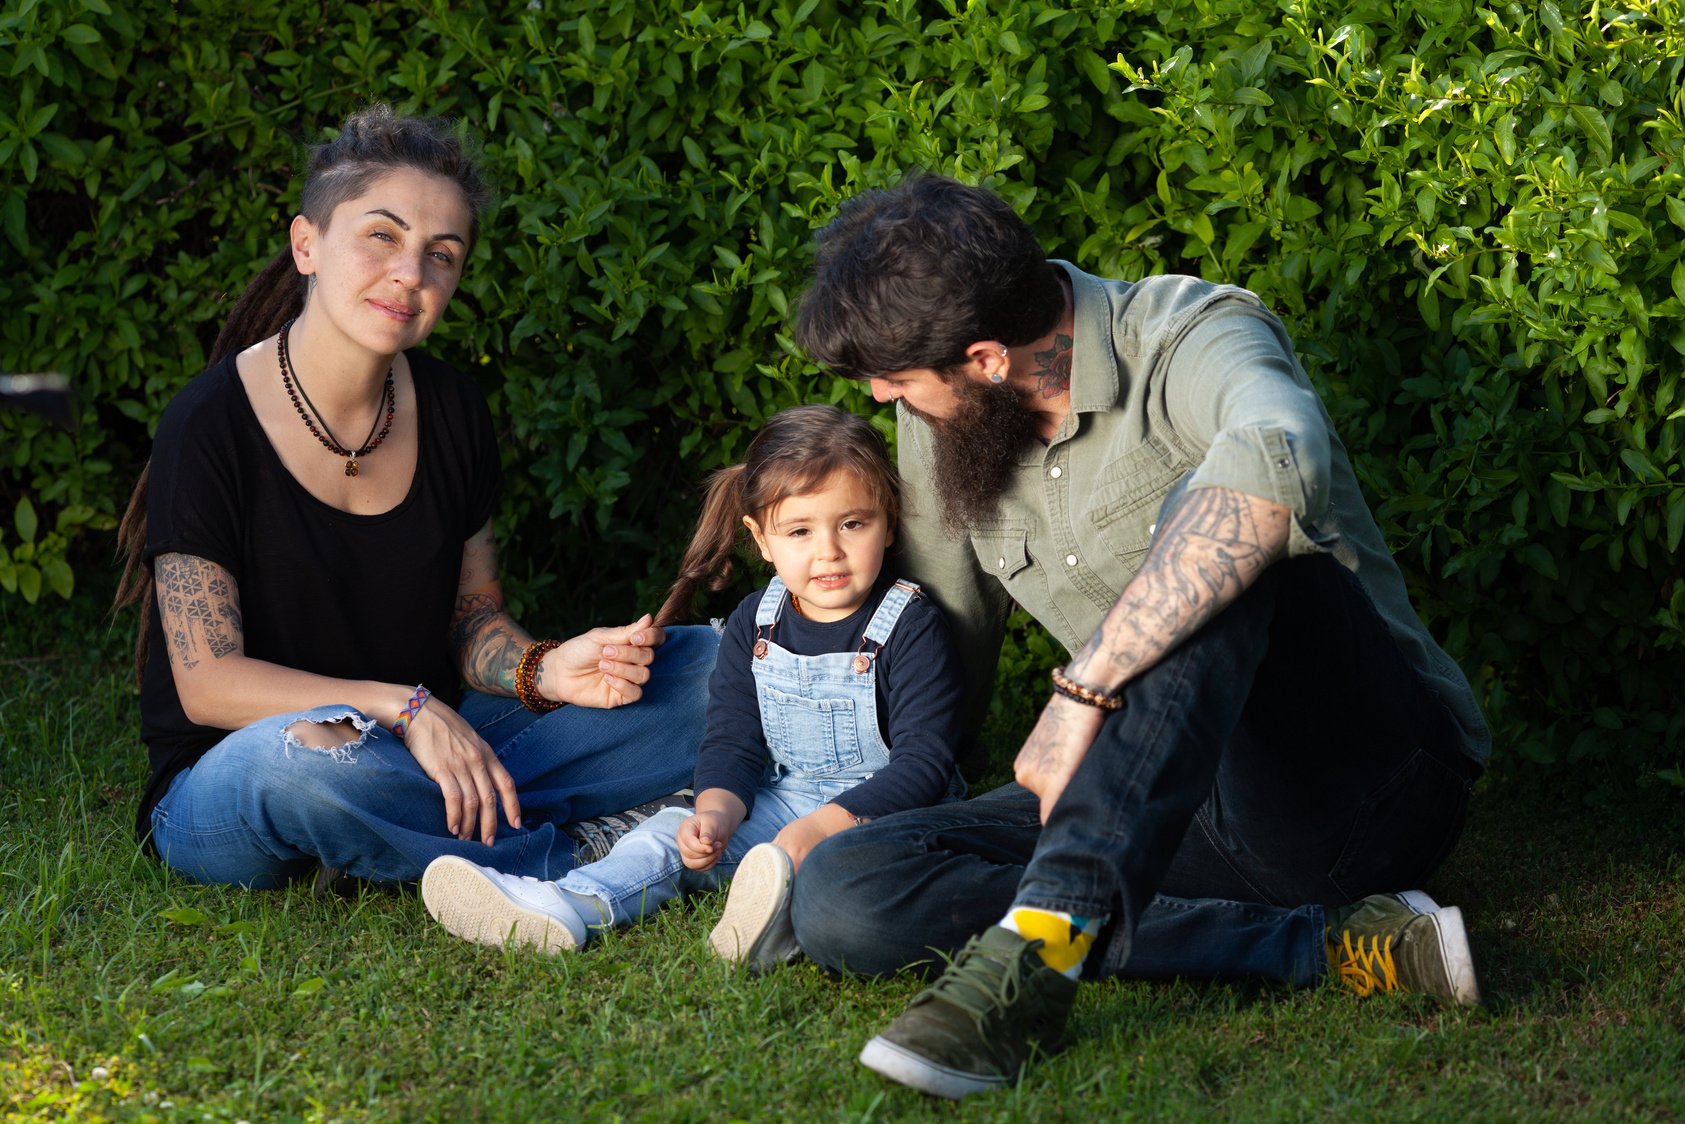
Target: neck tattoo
(1053, 368)
(313, 418)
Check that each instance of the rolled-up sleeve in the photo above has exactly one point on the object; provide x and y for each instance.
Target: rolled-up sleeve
(1233, 387)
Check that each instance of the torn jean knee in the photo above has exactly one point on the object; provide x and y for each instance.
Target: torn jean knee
(327, 716)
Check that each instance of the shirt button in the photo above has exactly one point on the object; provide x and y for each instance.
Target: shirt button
(1070, 560)
(1000, 563)
(1056, 472)
(1282, 462)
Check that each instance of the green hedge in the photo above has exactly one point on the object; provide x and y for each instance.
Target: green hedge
(1469, 216)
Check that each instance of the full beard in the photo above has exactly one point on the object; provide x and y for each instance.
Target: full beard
(974, 451)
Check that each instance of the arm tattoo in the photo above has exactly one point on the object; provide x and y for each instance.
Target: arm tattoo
(1211, 549)
(1053, 367)
(199, 607)
(484, 640)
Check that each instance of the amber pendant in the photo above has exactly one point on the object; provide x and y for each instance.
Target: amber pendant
(861, 664)
(351, 467)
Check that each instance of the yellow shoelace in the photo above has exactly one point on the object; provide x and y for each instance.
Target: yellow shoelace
(1368, 967)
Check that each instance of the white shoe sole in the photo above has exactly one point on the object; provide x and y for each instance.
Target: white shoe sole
(1459, 962)
(754, 928)
(471, 906)
(900, 1064)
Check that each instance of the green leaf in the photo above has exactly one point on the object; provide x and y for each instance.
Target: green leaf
(1249, 95)
(309, 987)
(1596, 128)
(1640, 464)
(79, 33)
(59, 577)
(1095, 69)
(24, 519)
(184, 915)
(1538, 558)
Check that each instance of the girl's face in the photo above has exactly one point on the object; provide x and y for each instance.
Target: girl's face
(826, 545)
(387, 262)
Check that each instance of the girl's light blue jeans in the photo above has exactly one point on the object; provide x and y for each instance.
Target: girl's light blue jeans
(260, 809)
(645, 870)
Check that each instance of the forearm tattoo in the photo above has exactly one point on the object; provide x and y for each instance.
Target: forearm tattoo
(199, 608)
(1211, 549)
(484, 639)
(486, 643)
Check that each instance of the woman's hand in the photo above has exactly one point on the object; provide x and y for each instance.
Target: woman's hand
(468, 773)
(800, 836)
(606, 667)
(702, 839)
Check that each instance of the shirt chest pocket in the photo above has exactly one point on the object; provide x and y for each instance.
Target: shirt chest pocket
(1124, 509)
(1003, 550)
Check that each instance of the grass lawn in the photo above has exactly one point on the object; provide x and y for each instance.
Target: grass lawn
(128, 994)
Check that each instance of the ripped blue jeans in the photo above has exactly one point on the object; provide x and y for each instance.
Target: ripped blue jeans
(261, 808)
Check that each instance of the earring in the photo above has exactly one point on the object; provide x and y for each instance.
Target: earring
(997, 377)
(1000, 376)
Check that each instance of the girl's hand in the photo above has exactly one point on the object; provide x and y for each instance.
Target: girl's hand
(702, 839)
(606, 667)
(798, 837)
(468, 773)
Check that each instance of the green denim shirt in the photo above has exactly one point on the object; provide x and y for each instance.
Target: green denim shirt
(1172, 379)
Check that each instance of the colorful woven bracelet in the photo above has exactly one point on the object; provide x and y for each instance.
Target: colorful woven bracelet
(526, 676)
(1087, 696)
(411, 709)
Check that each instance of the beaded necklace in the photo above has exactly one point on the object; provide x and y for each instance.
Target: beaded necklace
(295, 388)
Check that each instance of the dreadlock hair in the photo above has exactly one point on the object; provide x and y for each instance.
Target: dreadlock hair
(794, 454)
(371, 143)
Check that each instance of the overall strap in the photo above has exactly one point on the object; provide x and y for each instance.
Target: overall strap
(894, 602)
(772, 604)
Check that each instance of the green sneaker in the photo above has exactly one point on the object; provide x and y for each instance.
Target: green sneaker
(1404, 942)
(974, 1029)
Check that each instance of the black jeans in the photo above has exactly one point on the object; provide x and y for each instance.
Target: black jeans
(1284, 758)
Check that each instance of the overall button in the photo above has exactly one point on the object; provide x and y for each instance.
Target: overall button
(1070, 560)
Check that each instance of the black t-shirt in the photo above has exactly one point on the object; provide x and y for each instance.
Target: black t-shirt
(320, 590)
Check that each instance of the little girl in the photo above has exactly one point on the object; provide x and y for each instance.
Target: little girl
(834, 701)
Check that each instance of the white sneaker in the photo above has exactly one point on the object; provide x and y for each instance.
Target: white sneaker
(754, 929)
(489, 907)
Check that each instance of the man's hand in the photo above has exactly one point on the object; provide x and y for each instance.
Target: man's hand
(604, 668)
(1055, 748)
(702, 839)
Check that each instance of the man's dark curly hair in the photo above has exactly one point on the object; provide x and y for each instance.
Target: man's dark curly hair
(912, 275)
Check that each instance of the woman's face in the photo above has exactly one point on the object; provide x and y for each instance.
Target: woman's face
(387, 262)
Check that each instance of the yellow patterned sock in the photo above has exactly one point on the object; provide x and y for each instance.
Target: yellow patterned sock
(1066, 937)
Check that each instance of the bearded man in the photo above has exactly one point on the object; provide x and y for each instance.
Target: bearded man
(1256, 746)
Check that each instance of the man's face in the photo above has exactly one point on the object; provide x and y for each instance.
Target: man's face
(979, 430)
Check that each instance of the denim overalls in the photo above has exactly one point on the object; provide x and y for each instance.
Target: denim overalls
(820, 718)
